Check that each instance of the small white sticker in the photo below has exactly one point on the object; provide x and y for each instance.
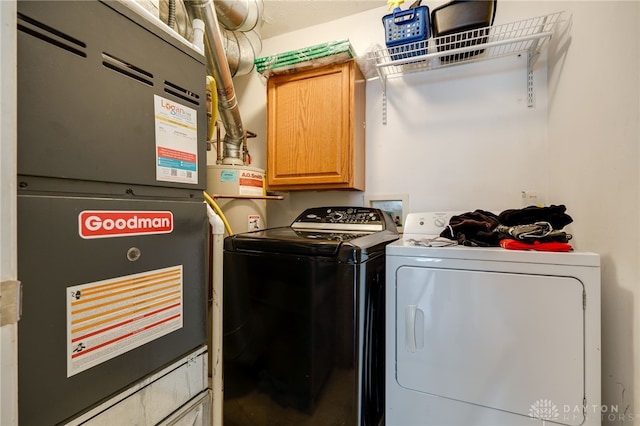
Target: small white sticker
(254, 222)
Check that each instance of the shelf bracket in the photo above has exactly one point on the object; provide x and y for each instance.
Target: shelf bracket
(532, 57)
(531, 101)
(384, 101)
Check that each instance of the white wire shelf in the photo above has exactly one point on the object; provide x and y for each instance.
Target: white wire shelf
(527, 36)
(481, 44)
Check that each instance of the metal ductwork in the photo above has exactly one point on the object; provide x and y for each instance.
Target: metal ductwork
(239, 27)
(239, 15)
(241, 49)
(230, 51)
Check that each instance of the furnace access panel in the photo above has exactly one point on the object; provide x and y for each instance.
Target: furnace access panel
(104, 96)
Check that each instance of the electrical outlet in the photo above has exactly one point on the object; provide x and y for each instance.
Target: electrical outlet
(533, 198)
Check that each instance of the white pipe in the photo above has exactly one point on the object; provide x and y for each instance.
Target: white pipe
(215, 352)
(198, 35)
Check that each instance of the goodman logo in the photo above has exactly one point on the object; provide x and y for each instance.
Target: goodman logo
(111, 223)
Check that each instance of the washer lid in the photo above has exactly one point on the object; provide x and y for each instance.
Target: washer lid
(284, 240)
(339, 246)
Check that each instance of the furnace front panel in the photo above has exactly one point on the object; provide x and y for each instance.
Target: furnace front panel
(112, 228)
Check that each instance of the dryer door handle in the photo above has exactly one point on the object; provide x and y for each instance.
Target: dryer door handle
(414, 328)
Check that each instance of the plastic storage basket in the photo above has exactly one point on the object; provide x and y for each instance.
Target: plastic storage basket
(462, 23)
(407, 31)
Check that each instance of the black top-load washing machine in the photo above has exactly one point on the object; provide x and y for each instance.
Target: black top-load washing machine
(304, 320)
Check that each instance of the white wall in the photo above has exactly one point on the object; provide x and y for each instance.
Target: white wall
(464, 139)
(593, 167)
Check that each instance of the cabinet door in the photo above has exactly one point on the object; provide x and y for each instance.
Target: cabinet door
(310, 129)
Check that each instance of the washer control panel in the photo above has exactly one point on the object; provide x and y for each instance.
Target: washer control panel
(341, 219)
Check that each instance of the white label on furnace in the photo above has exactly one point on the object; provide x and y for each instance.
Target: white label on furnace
(176, 141)
(251, 183)
(110, 317)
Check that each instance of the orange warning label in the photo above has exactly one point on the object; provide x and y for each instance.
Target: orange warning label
(108, 318)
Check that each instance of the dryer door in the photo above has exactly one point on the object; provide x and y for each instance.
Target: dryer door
(504, 341)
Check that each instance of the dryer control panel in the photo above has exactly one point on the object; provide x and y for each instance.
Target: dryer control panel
(343, 219)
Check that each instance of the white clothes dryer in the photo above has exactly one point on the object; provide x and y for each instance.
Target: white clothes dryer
(489, 336)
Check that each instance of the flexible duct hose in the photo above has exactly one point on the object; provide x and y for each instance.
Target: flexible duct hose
(171, 20)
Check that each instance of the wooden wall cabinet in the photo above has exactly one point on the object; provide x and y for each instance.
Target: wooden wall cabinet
(315, 129)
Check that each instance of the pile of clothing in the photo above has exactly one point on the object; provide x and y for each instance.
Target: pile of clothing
(529, 228)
